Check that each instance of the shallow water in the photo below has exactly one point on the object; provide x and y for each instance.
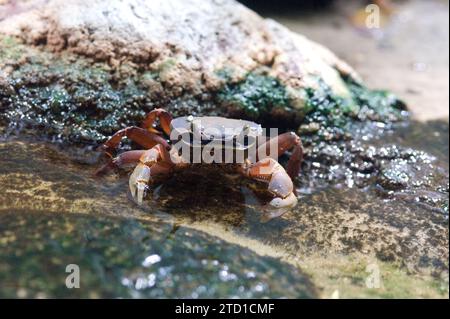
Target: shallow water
(201, 236)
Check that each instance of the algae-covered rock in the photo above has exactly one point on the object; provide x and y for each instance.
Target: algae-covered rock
(82, 69)
(143, 260)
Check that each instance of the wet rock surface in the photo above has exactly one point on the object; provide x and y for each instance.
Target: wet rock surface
(344, 228)
(373, 158)
(330, 221)
(145, 260)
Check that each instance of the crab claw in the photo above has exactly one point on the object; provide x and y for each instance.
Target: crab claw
(280, 185)
(278, 206)
(139, 182)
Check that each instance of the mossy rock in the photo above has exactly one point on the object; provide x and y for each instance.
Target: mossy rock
(126, 258)
(84, 77)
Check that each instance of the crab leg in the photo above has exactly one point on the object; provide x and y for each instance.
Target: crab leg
(120, 161)
(279, 184)
(164, 118)
(136, 134)
(154, 162)
(285, 142)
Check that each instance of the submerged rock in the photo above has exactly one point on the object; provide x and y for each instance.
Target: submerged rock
(126, 258)
(83, 69)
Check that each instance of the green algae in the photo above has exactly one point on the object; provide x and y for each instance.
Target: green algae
(150, 76)
(259, 95)
(167, 65)
(256, 94)
(376, 105)
(127, 258)
(324, 106)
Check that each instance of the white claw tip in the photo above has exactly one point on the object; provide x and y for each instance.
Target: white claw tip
(140, 192)
(288, 202)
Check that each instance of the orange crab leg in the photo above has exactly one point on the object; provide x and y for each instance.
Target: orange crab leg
(164, 119)
(285, 142)
(136, 134)
(279, 184)
(120, 161)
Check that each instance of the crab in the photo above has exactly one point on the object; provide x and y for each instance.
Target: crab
(159, 158)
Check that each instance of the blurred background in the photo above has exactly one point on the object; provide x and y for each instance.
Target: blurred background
(408, 54)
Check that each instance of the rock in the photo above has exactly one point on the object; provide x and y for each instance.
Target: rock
(82, 69)
(388, 164)
(118, 258)
(396, 175)
(332, 235)
(189, 41)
